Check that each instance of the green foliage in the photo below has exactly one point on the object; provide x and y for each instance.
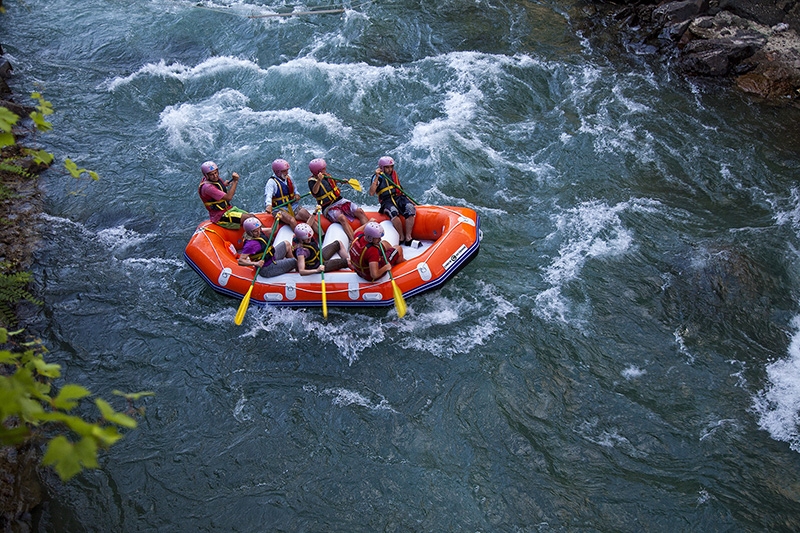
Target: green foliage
(8, 120)
(43, 109)
(76, 172)
(13, 289)
(29, 409)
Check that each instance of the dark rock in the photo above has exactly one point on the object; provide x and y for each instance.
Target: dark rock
(767, 13)
(717, 57)
(677, 12)
(5, 67)
(674, 32)
(772, 82)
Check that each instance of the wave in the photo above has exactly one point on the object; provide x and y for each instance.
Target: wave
(590, 230)
(777, 405)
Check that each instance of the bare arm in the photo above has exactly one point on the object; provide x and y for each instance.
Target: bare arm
(232, 187)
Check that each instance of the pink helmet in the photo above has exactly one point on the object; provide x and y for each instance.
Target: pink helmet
(373, 230)
(385, 161)
(303, 231)
(207, 167)
(279, 165)
(251, 224)
(317, 165)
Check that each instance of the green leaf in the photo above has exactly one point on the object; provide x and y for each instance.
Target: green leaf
(41, 156)
(41, 123)
(8, 358)
(133, 396)
(60, 454)
(7, 119)
(86, 450)
(75, 423)
(3, 335)
(50, 370)
(68, 396)
(69, 459)
(114, 417)
(13, 436)
(106, 435)
(7, 139)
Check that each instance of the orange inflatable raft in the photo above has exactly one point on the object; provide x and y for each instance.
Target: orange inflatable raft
(445, 240)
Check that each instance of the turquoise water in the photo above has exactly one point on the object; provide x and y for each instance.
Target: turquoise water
(623, 354)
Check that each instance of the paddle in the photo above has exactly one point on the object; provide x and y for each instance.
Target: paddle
(289, 202)
(405, 193)
(246, 300)
(354, 183)
(322, 263)
(399, 302)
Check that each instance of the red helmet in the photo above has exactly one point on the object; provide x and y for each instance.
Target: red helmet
(317, 165)
(279, 165)
(303, 231)
(385, 161)
(251, 223)
(373, 230)
(208, 167)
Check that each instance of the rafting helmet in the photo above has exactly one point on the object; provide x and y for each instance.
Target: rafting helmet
(373, 230)
(303, 231)
(385, 161)
(317, 165)
(279, 165)
(251, 224)
(208, 167)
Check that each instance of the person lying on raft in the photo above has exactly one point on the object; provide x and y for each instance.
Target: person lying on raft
(306, 250)
(366, 258)
(278, 259)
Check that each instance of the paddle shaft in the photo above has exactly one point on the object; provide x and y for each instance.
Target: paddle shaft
(246, 300)
(399, 302)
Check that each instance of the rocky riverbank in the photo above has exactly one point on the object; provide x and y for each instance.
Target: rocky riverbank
(21, 492)
(752, 44)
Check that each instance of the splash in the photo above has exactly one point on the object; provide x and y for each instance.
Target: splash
(440, 327)
(778, 404)
(589, 231)
(633, 372)
(209, 68)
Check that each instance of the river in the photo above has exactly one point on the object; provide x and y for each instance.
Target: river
(622, 355)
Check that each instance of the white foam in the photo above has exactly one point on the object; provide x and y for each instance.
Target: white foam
(778, 404)
(588, 231)
(198, 124)
(633, 372)
(211, 67)
(344, 397)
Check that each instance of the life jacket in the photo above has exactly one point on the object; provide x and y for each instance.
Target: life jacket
(358, 251)
(214, 205)
(285, 191)
(312, 261)
(262, 245)
(388, 187)
(328, 190)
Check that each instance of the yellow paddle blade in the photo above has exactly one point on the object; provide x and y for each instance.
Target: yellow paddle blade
(324, 300)
(355, 184)
(399, 301)
(243, 307)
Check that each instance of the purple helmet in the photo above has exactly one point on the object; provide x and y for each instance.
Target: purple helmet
(303, 231)
(251, 224)
(207, 167)
(279, 165)
(385, 161)
(373, 230)
(317, 165)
